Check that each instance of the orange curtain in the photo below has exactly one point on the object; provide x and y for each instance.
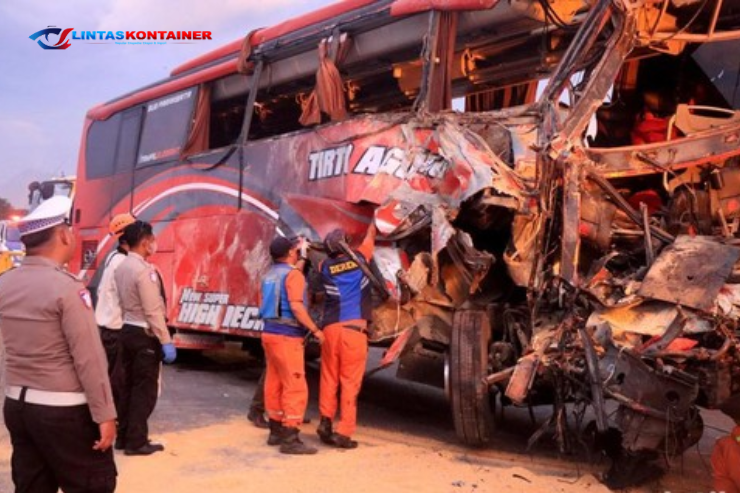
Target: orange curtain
(200, 131)
(328, 96)
(244, 66)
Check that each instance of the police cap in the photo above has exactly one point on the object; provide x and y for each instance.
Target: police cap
(50, 213)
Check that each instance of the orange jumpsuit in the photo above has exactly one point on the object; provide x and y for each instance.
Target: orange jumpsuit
(286, 391)
(726, 463)
(343, 360)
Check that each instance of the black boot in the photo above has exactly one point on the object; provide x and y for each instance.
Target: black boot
(292, 444)
(276, 433)
(342, 441)
(257, 417)
(325, 431)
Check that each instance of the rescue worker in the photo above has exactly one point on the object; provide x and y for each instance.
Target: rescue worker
(347, 309)
(59, 408)
(108, 308)
(287, 324)
(144, 340)
(726, 452)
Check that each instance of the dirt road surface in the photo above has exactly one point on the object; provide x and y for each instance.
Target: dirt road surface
(407, 444)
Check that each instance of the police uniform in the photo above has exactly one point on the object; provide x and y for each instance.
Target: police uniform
(347, 308)
(57, 385)
(142, 336)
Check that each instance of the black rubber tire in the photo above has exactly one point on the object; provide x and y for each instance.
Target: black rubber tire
(469, 395)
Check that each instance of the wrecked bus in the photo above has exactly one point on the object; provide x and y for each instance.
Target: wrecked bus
(556, 185)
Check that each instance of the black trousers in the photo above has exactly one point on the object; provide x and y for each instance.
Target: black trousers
(140, 356)
(52, 449)
(258, 398)
(111, 344)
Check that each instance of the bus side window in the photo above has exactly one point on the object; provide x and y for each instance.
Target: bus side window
(273, 114)
(128, 140)
(167, 121)
(101, 147)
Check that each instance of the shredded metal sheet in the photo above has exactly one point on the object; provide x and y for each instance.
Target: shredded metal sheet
(690, 272)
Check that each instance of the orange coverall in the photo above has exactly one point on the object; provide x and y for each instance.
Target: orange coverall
(286, 391)
(726, 463)
(343, 360)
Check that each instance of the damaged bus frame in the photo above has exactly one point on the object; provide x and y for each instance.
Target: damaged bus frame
(566, 239)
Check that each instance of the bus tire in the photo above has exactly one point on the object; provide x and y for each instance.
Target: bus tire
(468, 365)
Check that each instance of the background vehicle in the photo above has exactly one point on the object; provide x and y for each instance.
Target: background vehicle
(40, 191)
(515, 248)
(11, 247)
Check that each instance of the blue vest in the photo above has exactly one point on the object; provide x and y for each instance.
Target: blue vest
(348, 290)
(275, 309)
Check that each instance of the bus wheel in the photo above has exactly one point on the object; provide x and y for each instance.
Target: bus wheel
(468, 365)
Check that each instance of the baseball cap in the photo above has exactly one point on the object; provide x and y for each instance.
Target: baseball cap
(280, 247)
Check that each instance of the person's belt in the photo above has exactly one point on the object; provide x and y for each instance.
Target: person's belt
(356, 328)
(141, 325)
(112, 329)
(45, 397)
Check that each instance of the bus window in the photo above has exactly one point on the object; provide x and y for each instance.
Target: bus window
(500, 98)
(166, 123)
(101, 147)
(228, 98)
(128, 140)
(275, 115)
(458, 104)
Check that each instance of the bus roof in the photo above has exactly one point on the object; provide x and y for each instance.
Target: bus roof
(223, 60)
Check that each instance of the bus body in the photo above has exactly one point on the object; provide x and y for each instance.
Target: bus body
(592, 143)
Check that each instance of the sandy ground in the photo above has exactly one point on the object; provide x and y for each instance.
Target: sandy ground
(406, 445)
(230, 457)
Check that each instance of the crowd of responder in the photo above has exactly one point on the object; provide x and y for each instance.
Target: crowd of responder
(82, 380)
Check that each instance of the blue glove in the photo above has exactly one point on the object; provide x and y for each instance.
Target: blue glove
(170, 353)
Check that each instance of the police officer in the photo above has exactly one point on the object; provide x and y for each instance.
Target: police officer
(347, 309)
(287, 322)
(108, 308)
(144, 341)
(59, 407)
